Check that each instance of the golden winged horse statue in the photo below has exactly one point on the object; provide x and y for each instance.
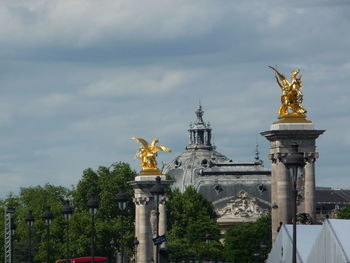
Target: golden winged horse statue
(147, 154)
(292, 96)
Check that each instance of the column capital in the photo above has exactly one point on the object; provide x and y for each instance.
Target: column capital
(277, 157)
(311, 157)
(141, 200)
(163, 199)
(271, 157)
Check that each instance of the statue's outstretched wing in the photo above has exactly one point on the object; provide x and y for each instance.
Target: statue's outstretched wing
(163, 148)
(142, 141)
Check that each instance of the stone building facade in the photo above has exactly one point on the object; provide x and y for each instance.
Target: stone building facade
(239, 191)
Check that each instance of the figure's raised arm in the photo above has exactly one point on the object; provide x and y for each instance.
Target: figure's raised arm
(279, 77)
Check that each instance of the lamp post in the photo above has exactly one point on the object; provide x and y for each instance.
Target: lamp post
(67, 211)
(122, 198)
(92, 204)
(136, 243)
(114, 249)
(30, 221)
(13, 230)
(293, 161)
(48, 216)
(157, 191)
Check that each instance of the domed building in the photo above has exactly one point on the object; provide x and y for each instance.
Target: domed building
(240, 191)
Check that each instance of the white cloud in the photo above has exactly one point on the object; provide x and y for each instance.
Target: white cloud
(55, 100)
(82, 22)
(140, 82)
(80, 77)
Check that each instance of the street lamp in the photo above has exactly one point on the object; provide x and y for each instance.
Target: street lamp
(122, 198)
(48, 216)
(157, 191)
(293, 161)
(207, 239)
(92, 204)
(30, 221)
(67, 211)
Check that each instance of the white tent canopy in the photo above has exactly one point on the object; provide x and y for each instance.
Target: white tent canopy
(282, 248)
(332, 244)
(329, 243)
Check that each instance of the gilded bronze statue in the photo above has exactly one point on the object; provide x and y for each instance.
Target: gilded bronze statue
(292, 96)
(147, 154)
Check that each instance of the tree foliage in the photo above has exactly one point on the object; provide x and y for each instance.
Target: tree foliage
(37, 199)
(192, 220)
(344, 213)
(105, 184)
(248, 242)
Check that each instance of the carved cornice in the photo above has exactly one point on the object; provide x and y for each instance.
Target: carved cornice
(274, 135)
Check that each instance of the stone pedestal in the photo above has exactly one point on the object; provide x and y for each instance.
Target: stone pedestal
(145, 227)
(283, 138)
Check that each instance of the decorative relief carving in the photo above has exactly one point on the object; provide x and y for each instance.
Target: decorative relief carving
(304, 219)
(301, 187)
(243, 206)
(153, 221)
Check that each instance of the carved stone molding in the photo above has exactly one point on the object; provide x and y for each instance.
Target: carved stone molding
(243, 206)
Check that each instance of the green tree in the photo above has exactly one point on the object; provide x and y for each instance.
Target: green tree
(36, 199)
(192, 220)
(248, 242)
(104, 183)
(344, 213)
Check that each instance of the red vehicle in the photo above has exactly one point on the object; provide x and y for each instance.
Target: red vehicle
(89, 259)
(84, 260)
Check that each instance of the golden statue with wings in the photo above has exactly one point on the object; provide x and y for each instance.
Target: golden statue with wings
(147, 154)
(292, 96)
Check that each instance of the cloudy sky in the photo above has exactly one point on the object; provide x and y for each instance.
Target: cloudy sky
(79, 78)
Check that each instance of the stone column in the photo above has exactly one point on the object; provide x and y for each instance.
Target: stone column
(274, 196)
(284, 193)
(143, 231)
(309, 172)
(144, 221)
(162, 220)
